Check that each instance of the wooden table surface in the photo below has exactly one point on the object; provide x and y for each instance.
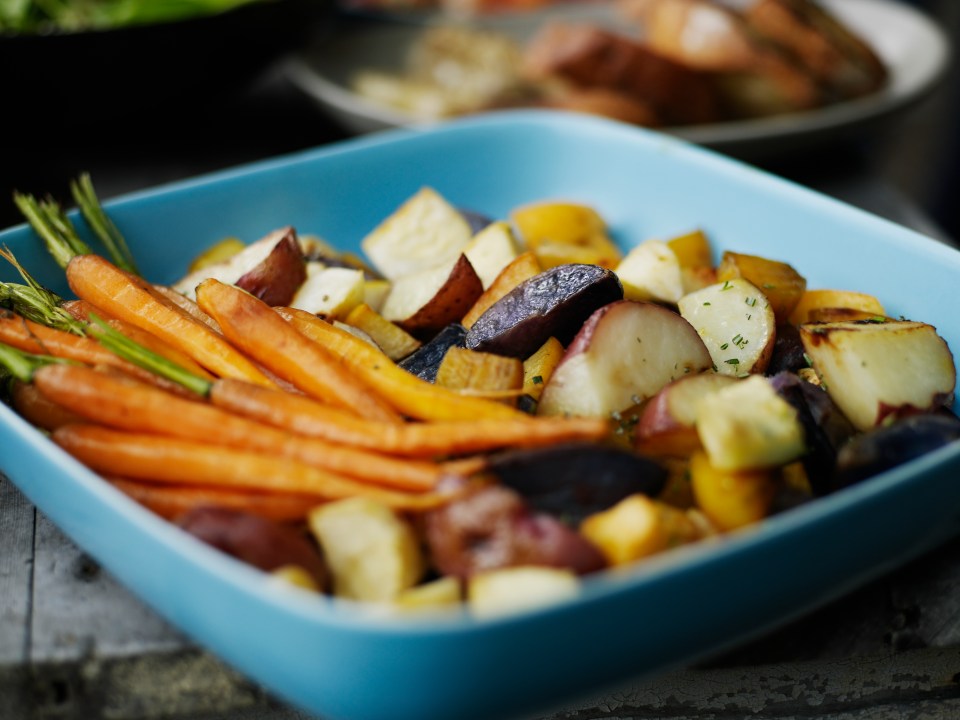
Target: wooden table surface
(74, 644)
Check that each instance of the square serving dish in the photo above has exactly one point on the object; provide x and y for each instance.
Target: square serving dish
(345, 662)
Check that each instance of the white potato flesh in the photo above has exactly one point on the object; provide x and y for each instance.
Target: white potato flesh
(371, 552)
(491, 250)
(651, 271)
(748, 426)
(424, 232)
(736, 323)
(625, 353)
(875, 370)
(330, 291)
(375, 292)
(432, 299)
(412, 292)
(515, 589)
(676, 405)
(232, 269)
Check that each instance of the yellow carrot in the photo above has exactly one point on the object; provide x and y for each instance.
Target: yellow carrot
(409, 394)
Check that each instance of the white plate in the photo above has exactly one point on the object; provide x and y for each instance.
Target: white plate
(913, 46)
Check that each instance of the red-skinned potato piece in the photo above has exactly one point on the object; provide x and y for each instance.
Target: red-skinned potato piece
(491, 527)
(275, 262)
(625, 353)
(263, 543)
(426, 302)
(667, 424)
(276, 279)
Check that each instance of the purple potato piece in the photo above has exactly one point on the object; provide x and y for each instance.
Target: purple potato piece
(554, 303)
(825, 428)
(492, 527)
(258, 541)
(276, 279)
(476, 220)
(788, 353)
(346, 261)
(574, 480)
(425, 361)
(888, 446)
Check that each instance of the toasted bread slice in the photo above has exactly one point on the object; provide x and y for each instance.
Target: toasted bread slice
(838, 58)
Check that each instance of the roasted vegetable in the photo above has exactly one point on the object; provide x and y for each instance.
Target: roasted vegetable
(491, 527)
(575, 480)
(425, 362)
(888, 446)
(263, 543)
(625, 353)
(554, 303)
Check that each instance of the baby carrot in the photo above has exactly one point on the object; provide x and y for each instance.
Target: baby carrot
(188, 306)
(170, 501)
(39, 410)
(122, 296)
(253, 326)
(182, 462)
(414, 439)
(407, 393)
(38, 339)
(81, 310)
(126, 404)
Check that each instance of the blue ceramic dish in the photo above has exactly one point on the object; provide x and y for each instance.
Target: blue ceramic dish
(345, 662)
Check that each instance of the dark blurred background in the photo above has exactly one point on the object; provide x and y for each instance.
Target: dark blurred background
(132, 129)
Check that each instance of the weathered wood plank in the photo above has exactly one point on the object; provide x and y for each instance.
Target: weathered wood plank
(84, 624)
(79, 611)
(915, 684)
(16, 567)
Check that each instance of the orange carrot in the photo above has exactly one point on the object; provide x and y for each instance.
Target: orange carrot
(128, 405)
(171, 502)
(81, 310)
(182, 462)
(253, 326)
(406, 392)
(39, 339)
(430, 439)
(33, 337)
(172, 297)
(38, 410)
(102, 284)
